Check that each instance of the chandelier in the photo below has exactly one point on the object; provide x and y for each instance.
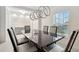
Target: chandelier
(41, 12)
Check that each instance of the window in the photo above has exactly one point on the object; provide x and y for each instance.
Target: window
(61, 20)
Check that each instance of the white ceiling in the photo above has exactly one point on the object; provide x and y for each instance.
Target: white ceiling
(30, 8)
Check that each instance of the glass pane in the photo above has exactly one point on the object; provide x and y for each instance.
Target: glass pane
(61, 15)
(61, 20)
(57, 15)
(66, 14)
(57, 21)
(66, 20)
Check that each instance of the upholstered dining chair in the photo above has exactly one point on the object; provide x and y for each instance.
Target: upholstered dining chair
(27, 28)
(57, 48)
(26, 47)
(20, 39)
(45, 29)
(53, 31)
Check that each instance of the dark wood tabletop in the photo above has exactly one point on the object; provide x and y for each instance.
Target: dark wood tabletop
(44, 39)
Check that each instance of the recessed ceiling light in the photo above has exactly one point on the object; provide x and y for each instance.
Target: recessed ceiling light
(26, 16)
(22, 11)
(21, 16)
(14, 15)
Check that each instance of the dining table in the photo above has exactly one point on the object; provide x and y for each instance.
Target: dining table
(42, 39)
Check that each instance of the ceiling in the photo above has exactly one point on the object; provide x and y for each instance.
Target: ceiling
(30, 8)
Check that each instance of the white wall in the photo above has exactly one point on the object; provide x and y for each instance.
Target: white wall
(4, 43)
(2, 24)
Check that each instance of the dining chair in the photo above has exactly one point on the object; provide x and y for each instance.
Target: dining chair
(45, 29)
(26, 47)
(27, 29)
(57, 48)
(17, 30)
(20, 39)
(53, 31)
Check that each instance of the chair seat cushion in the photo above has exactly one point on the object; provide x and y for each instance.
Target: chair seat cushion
(21, 39)
(20, 36)
(54, 48)
(27, 48)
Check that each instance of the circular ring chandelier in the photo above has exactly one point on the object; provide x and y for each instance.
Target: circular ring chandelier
(42, 12)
